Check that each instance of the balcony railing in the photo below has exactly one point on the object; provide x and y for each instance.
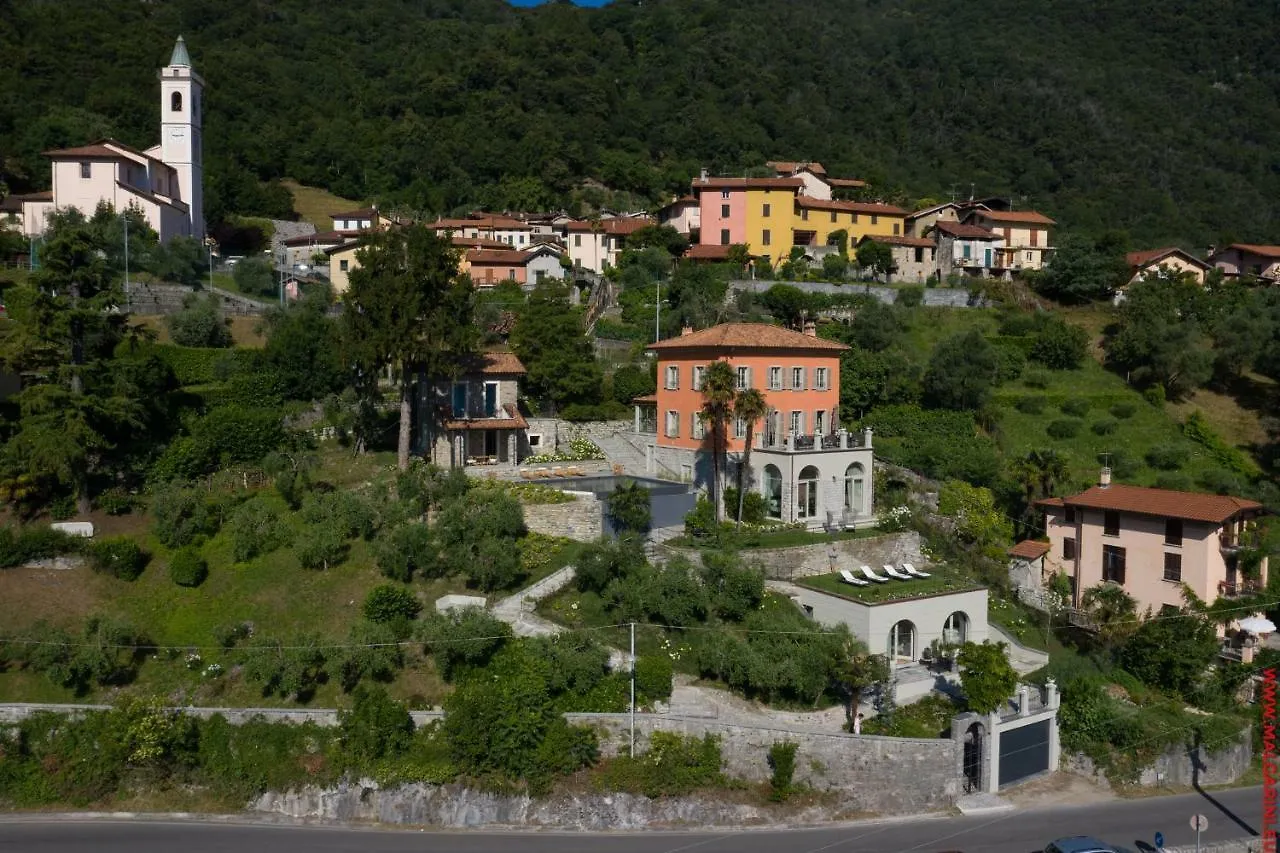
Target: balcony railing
(1239, 588)
(799, 443)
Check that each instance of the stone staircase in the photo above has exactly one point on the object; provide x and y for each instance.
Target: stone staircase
(620, 445)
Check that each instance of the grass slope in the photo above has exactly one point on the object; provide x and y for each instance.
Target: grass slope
(315, 205)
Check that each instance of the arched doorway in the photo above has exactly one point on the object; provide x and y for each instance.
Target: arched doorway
(773, 491)
(854, 477)
(902, 642)
(807, 493)
(956, 629)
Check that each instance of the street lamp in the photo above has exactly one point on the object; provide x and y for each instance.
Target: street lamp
(209, 243)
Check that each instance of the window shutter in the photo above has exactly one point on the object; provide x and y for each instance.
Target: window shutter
(786, 379)
(750, 377)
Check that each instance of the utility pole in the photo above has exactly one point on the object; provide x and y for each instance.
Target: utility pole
(125, 217)
(633, 690)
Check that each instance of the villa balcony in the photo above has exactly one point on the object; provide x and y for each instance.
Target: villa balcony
(1239, 588)
(788, 442)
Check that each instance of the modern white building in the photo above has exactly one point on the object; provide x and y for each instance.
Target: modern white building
(164, 182)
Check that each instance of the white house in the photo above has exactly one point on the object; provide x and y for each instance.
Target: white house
(490, 226)
(165, 182)
(684, 214)
(598, 245)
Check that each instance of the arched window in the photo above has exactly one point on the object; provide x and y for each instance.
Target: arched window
(902, 642)
(807, 493)
(175, 102)
(773, 490)
(956, 628)
(853, 488)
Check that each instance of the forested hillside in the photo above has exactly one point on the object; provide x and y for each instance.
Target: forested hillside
(1162, 119)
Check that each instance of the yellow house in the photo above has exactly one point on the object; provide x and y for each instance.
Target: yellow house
(342, 260)
(815, 220)
(769, 221)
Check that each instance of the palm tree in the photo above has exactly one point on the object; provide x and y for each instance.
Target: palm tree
(1113, 611)
(1039, 473)
(750, 407)
(719, 390)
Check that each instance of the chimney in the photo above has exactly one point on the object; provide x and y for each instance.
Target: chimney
(687, 330)
(702, 176)
(810, 328)
(1104, 478)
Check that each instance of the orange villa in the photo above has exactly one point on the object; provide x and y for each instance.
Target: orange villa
(807, 467)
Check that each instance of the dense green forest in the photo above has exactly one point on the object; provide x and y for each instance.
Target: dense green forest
(1161, 119)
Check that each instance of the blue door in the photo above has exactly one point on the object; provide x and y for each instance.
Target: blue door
(459, 400)
(988, 263)
(490, 399)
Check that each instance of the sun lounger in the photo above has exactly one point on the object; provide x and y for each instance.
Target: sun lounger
(866, 570)
(914, 572)
(527, 475)
(894, 573)
(847, 577)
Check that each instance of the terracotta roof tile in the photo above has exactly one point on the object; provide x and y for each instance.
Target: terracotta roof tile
(618, 225)
(500, 361)
(1254, 249)
(461, 242)
(852, 183)
(707, 252)
(748, 336)
(497, 256)
(1137, 260)
(1028, 549)
(362, 213)
(747, 184)
(1193, 506)
(891, 240)
(1029, 217)
(645, 398)
(965, 232)
(850, 206)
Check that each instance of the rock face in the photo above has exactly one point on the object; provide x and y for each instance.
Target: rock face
(457, 807)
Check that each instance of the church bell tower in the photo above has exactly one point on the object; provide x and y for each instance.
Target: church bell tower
(181, 97)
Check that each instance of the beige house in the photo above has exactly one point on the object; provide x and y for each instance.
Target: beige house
(683, 214)
(1241, 259)
(1169, 260)
(1026, 236)
(921, 221)
(598, 245)
(164, 182)
(475, 419)
(914, 258)
(1152, 541)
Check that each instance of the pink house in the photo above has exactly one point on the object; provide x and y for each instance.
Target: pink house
(1152, 541)
(1247, 259)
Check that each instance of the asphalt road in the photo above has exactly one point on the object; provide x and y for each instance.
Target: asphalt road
(1231, 814)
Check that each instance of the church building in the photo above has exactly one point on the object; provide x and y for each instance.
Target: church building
(165, 182)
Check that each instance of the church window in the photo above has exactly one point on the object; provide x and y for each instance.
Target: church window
(175, 102)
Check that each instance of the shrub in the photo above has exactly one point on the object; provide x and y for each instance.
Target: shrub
(674, 765)
(462, 638)
(1155, 396)
(377, 726)
(1031, 405)
(120, 556)
(1168, 457)
(909, 297)
(289, 668)
(320, 546)
(734, 589)
(1221, 482)
(188, 568)
(1036, 379)
(200, 323)
(349, 513)
(654, 675)
(387, 603)
(1105, 426)
(226, 435)
(1059, 345)
(117, 501)
(28, 544)
(1064, 428)
(1076, 407)
(629, 508)
(182, 515)
(256, 528)
(782, 761)
(373, 651)
(477, 532)
(599, 563)
(1010, 362)
(1123, 411)
(406, 551)
(1175, 480)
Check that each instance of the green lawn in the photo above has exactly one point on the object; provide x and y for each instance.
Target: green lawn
(1021, 431)
(894, 590)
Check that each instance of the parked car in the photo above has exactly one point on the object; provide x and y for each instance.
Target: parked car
(1083, 844)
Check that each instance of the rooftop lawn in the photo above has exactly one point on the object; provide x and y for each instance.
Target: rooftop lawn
(894, 590)
(784, 538)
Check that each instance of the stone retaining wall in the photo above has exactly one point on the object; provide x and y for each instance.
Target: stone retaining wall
(803, 561)
(582, 519)
(1180, 767)
(878, 774)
